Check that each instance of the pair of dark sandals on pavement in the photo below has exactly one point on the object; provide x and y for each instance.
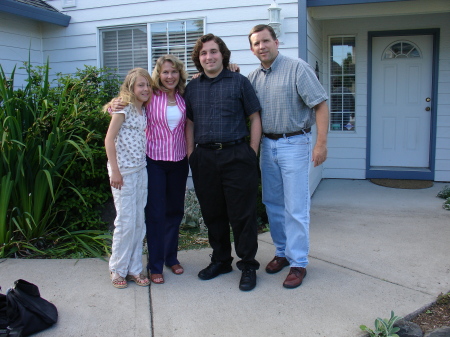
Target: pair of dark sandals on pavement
(177, 269)
(248, 278)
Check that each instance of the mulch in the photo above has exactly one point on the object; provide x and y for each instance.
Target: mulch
(403, 183)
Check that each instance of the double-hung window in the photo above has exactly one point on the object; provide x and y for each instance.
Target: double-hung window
(342, 84)
(126, 47)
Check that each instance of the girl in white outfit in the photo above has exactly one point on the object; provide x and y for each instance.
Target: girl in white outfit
(125, 148)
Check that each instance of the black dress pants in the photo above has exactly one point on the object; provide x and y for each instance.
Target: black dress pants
(226, 184)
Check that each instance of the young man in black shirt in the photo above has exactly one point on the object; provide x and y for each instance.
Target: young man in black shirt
(224, 166)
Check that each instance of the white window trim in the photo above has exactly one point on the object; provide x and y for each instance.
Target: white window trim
(354, 36)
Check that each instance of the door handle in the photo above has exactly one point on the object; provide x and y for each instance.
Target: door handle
(427, 108)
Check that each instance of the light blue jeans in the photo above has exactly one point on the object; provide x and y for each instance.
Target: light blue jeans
(285, 193)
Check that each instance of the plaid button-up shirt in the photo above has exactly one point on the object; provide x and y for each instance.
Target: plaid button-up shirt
(219, 107)
(287, 91)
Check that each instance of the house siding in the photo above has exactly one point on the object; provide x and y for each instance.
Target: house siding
(345, 156)
(21, 41)
(442, 168)
(315, 54)
(78, 44)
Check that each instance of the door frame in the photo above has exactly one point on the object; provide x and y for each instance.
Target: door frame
(406, 173)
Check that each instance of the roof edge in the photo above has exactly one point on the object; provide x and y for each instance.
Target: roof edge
(319, 3)
(35, 13)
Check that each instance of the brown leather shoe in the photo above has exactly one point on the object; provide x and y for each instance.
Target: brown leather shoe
(277, 264)
(295, 277)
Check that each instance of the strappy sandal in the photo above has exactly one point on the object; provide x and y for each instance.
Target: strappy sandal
(118, 281)
(154, 277)
(177, 269)
(140, 279)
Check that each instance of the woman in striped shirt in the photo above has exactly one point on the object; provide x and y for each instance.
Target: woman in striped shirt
(167, 165)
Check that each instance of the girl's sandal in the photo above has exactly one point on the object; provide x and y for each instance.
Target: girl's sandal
(140, 279)
(157, 278)
(118, 281)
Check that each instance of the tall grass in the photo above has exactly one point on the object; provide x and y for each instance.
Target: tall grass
(39, 147)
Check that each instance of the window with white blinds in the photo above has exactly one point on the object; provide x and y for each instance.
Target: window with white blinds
(342, 83)
(177, 38)
(125, 48)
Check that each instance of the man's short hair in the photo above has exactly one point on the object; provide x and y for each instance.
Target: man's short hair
(260, 28)
(226, 54)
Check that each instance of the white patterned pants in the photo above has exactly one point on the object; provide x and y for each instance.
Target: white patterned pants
(130, 202)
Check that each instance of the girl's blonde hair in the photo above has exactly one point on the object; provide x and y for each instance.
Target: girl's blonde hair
(178, 65)
(127, 88)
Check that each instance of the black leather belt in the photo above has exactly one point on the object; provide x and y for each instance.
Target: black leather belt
(275, 136)
(220, 146)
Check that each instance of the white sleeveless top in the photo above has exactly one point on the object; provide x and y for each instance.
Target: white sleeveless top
(174, 116)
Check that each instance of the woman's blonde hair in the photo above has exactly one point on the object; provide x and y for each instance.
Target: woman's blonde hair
(177, 64)
(127, 88)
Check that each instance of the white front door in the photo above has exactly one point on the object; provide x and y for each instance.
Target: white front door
(401, 107)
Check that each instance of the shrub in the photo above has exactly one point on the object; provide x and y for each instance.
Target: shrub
(93, 87)
(445, 194)
(51, 141)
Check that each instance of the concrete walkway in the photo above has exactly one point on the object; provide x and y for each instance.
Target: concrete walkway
(373, 249)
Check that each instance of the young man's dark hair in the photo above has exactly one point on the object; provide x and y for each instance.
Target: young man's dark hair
(222, 48)
(260, 28)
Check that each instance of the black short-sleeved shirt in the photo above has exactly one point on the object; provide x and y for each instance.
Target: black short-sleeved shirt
(219, 107)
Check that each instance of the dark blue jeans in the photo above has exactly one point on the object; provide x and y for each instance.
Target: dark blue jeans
(164, 211)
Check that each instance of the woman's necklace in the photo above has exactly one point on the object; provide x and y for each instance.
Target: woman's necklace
(170, 102)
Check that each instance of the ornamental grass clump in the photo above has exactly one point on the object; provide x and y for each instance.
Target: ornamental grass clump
(43, 143)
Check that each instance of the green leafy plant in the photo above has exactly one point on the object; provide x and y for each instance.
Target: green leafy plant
(383, 327)
(443, 299)
(445, 194)
(192, 213)
(446, 204)
(93, 87)
(48, 153)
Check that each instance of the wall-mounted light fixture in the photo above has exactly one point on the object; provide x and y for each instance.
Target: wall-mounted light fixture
(275, 18)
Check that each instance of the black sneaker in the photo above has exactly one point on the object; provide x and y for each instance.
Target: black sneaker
(248, 279)
(214, 269)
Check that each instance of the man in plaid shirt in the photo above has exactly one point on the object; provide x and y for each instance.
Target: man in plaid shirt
(292, 101)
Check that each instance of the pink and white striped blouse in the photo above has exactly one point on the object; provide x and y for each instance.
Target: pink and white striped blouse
(163, 144)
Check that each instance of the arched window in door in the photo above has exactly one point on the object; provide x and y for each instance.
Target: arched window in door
(401, 49)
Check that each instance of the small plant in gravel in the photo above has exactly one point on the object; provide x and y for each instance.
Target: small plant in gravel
(193, 231)
(445, 194)
(192, 213)
(436, 316)
(383, 327)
